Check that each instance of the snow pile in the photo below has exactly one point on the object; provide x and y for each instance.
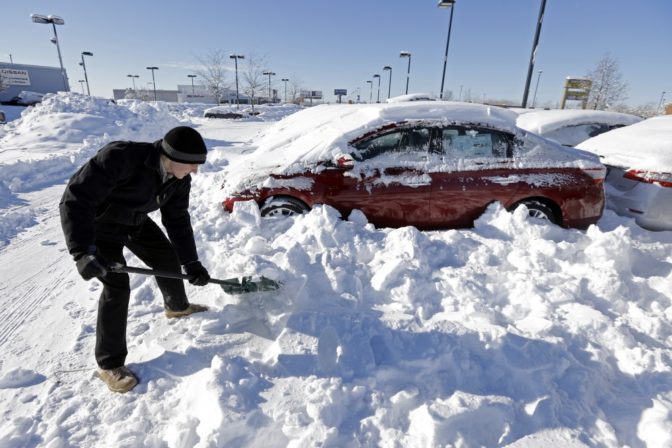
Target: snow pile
(515, 333)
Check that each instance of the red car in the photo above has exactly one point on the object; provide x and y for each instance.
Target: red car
(432, 165)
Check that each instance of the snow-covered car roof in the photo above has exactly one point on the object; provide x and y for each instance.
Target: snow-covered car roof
(544, 121)
(646, 145)
(302, 140)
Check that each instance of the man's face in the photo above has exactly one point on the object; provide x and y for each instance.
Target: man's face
(180, 170)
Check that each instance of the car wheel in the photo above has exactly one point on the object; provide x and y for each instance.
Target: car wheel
(538, 210)
(283, 206)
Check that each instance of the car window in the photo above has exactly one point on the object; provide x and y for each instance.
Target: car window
(403, 141)
(473, 143)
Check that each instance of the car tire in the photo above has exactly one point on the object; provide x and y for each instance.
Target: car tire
(283, 206)
(538, 210)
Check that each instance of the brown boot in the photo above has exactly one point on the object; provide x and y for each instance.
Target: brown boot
(119, 379)
(191, 309)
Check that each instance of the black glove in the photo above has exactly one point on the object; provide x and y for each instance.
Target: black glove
(90, 266)
(198, 275)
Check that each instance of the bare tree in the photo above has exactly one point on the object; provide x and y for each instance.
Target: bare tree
(253, 77)
(608, 87)
(213, 73)
(295, 87)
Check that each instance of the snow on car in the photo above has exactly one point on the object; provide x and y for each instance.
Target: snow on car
(639, 159)
(427, 164)
(569, 127)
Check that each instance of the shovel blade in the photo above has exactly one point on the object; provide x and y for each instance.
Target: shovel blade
(248, 284)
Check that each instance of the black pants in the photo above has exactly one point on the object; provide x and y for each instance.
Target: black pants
(149, 244)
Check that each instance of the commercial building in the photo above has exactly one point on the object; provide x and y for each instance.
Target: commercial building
(17, 78)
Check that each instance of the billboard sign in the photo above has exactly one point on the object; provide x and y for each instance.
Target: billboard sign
(14, 77)
(340, 92)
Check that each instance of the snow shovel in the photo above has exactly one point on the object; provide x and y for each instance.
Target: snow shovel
(242, 285)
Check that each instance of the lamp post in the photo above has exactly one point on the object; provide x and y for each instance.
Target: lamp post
(133, 79)
(235, 57)
(270, 100)
(86, 77)
(370, 90)
(533, 55)
(377, 97)
(446, 4)
(81, 83)
(192, 84)
(285, 81)
(54, 20)
(406, 54)
(534, 98)
(153, 80)
(389, 83)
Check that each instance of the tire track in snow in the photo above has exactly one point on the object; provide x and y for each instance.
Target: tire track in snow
(24, 287)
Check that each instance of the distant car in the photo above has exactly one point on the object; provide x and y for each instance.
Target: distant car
(639, 162)
(569, 127)
(411, 97)
(432, 165)
(27, 98)
(226, 112)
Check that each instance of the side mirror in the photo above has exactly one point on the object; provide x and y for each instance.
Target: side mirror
(344, 161)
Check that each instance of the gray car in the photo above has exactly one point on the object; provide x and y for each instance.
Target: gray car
(639, 163)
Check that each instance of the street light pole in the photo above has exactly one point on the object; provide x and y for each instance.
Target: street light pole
(192, 84)
(534, 98)
(270, 100)
(389, 83)
(370, 90)
(54, 20)
(235, 57)
(285, 81)
(446, 4)
(378, 97)
(406, 54)
(533, 55)
(153, 80)
(133, 79)
(86, 77)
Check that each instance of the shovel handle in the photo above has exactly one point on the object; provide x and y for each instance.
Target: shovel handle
(168, 274)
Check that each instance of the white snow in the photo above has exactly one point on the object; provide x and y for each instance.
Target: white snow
(514, 333)
(646, 145)
(545, 121)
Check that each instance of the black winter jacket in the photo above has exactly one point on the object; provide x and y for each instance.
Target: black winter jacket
(110, 196)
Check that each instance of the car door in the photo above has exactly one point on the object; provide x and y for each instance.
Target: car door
(474, 169)
(388, 182)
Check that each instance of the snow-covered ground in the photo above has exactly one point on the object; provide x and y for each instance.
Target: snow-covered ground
(514, 333)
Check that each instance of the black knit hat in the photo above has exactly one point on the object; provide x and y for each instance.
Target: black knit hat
(185, 145)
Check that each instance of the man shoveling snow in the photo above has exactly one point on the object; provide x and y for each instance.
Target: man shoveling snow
(104, 209)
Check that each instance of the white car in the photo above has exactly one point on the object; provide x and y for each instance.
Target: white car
(639, 162)
(569, 127)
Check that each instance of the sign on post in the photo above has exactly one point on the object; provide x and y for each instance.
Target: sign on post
(339, 93)
(13, 77)
(576, 89)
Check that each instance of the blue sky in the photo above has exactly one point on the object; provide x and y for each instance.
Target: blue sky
(342, 44)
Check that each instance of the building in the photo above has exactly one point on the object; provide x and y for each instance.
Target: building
(17, 78)
(169, 96)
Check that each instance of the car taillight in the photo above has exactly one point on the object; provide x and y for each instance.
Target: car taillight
(650, 177)
(597, 174)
